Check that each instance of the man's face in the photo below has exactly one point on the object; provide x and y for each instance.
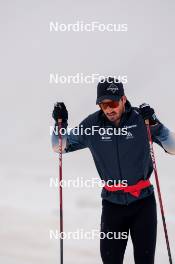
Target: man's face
(114, 109)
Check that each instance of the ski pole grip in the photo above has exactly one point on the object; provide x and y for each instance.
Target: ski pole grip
(147, 122)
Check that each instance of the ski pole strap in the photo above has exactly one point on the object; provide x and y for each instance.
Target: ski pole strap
(134, 190)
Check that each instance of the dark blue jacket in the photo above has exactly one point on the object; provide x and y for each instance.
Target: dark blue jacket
(118, 157)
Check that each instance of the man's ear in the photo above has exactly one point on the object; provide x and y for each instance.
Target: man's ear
(101, 108)
(124, 98)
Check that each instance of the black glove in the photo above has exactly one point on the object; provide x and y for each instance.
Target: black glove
(148, 113)
(60, 111)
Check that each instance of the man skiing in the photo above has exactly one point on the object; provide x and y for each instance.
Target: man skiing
(121, 157)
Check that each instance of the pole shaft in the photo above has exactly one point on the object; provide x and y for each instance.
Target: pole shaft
(158, 191)
(60, 189)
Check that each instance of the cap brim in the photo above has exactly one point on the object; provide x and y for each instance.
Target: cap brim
(110, 97)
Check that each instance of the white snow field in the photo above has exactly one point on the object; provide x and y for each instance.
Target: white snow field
(29, 207)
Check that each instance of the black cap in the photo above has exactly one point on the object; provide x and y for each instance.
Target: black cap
(109, 88)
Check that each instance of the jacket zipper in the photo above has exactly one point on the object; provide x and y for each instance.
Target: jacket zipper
(121, 178)
(118, 159)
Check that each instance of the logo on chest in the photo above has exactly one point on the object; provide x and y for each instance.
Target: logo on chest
(106, 137)
(129, 136)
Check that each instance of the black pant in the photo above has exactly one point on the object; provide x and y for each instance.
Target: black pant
(140, 219)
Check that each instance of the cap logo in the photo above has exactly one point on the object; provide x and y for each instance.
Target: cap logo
(113, 88)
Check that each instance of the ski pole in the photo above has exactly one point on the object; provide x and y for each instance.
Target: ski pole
(158, 190)
(60, 189)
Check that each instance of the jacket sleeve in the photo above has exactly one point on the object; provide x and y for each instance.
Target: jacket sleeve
(164, 138)
(73, 139)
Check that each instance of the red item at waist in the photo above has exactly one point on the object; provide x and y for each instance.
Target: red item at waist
(134, 190)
